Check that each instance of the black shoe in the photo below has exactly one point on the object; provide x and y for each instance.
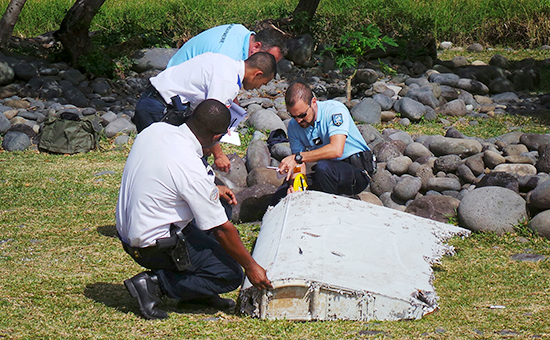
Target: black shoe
(214, 301)
(145, 287)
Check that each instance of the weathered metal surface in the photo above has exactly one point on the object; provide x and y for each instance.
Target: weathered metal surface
(331, 257)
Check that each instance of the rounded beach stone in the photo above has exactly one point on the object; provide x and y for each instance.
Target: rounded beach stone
(540, 196)
(236, 176)
(407, 187)
(540, 224)
(435, 207)
(492, 209)
(257, 155)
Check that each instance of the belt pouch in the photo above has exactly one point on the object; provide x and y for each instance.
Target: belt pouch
(177, 113)
(180, 253)
(369, 161)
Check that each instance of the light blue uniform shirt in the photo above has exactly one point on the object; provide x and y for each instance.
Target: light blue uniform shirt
(232, 40)
(333, 118)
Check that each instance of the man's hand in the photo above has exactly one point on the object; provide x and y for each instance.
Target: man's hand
(228, 237)
(287, 166)
(220, 159)
(222, 162)
(227, 194)
(258, 277)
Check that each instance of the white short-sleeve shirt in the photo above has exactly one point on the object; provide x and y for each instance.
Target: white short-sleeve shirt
(206, 76)
(165, 181)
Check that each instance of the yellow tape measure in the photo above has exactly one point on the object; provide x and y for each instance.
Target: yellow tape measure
(300, 183)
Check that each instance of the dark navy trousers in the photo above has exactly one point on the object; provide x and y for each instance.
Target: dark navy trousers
(148, 110)
(333, 177)
(213, 271)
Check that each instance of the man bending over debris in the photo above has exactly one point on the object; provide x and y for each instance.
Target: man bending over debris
(207, 76)
(324, 132)
(170, 219)
(234, 41)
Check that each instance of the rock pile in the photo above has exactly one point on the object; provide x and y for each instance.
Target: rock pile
(488, 185)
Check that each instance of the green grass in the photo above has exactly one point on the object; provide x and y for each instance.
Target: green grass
(62, 268)
(486, 128)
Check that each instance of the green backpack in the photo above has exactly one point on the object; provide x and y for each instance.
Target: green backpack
(68, 134)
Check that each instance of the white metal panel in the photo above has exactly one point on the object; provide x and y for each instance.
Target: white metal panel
(331, 257)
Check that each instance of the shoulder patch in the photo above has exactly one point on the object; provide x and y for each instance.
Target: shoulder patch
(215, 194)
(337, 119)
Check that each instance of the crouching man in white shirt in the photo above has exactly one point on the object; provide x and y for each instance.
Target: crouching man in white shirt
(170, 219)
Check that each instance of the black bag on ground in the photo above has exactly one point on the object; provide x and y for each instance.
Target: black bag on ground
(276, 136)
(68, 134)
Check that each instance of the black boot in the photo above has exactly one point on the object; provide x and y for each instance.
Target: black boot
(145, 287)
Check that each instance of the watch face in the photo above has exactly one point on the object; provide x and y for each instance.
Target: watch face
(298, 158)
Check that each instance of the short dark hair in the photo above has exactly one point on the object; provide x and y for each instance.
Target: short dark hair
(210, 118)
(298, 91)
(263, 61)
(270, 37)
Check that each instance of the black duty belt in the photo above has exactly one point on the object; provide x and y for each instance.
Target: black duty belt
(163, 244)
(350, 158)
(354, 159)
(364, 161)
(152, 92)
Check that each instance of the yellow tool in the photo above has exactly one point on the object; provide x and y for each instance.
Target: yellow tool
(300, 182)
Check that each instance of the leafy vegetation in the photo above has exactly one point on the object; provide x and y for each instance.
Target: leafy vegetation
(122, 26)
(515, 23)
(353, 45)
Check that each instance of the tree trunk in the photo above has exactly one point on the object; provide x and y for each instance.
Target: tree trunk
(7, 23)
(75, 27)
(308, 6)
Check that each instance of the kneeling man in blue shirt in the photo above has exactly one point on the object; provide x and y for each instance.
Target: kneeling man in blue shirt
(324, 132)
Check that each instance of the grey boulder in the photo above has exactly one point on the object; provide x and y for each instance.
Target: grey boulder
(368, 111)
(382, 181)
(6, 74)
(16, 141)
(4, 124)
(236, 176)
(266, 120)
(492, 209)
(252, 203)
(540, 196)
(263, 175)
(540, 224)
(407, 187)
(257, 155)
(152, 58)
(455, 107)
(119, 125)
(410, 108)
(435, 207)
(456, 146)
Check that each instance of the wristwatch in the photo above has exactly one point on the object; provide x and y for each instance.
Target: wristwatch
(298, 158)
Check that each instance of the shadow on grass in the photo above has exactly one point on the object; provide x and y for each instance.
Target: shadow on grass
(112, 295)
(108, 230)
(116, 296)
